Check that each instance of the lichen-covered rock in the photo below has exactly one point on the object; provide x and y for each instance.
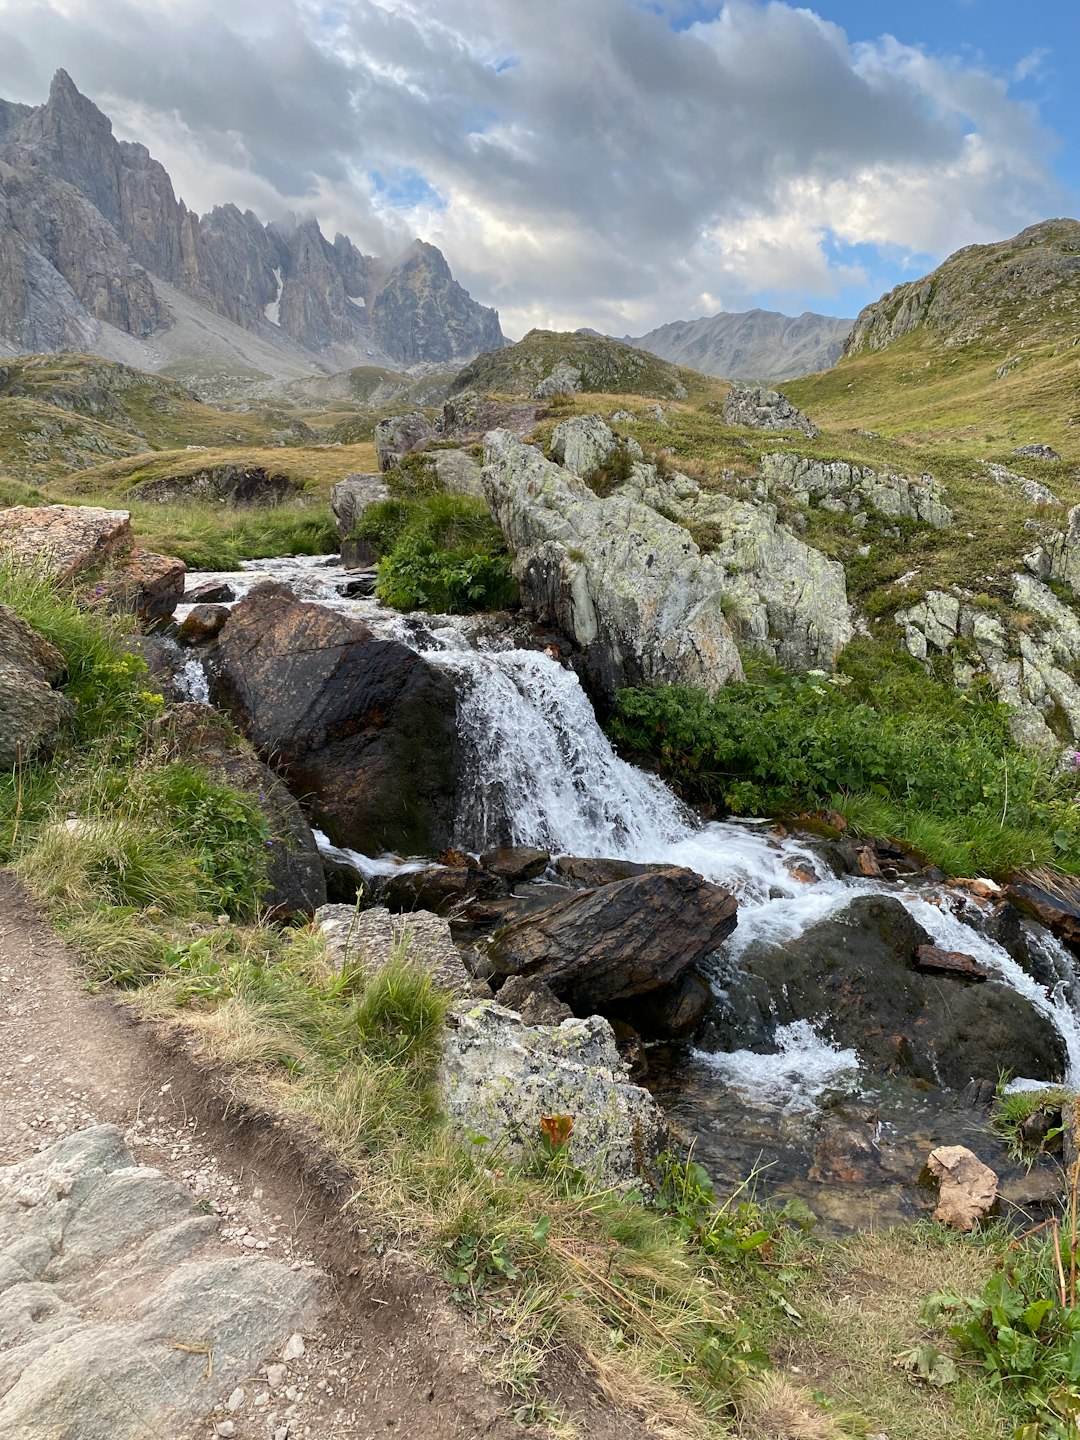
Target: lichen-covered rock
(1056, 557)
(469, 417)
(1031, 490)
(398, 434)
(458, 472)
(1037, 452)
(500, 1078)
(856, 488)
(761, 409)
(565, 379)
(350, 497)
(65, 539)
(630, 587)
(141, 583)
(369, 939)
(32, 711)
(116, 1291)
(583, 443)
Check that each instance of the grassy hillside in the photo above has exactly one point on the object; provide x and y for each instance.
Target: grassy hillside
(606, 366)
(982, 354)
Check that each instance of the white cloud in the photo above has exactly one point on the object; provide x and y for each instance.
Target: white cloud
(597, 165)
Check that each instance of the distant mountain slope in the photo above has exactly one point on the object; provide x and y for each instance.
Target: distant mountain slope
(91, 233)
(984, 345)
(752, 345)
(553, 360)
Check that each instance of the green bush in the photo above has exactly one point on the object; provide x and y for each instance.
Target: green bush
(439, 552)
(903, 754)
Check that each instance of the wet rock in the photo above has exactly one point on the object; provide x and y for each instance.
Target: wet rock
(66, 539)
(364, 583)
(33, 712)
(589, 874)
(968, 1189)
(762, 409)
(210, 592)
(362, 728)
(846, 1149)
(202, 624)
(516, 863)
(398, 434)
(444, 889)
(628, 586)
(673, 1013)
(948, 962)
(238, 485)
(369, 939)
(533, 1001)
(297, 884)
(854, 975)
(351, 497)
(1053, 900)
(501, 1078)
(621, 942)
(107, 1334)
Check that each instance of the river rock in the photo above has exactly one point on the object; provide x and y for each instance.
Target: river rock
(398, 434)
(534, 1001)
(499, 1078)
(296, 883)
(65, 539)
(445, 889)
(202, 624)
(1053, 900)
(516, 863)
(237, 485)
(762, 409)
(587, 873)
(630, 587)
(362, 728)
(369, 939)
(142, 584)
(620, 943)
(33, 712)
(854, 976)
(968, 1188)
(210, 592)
(117, 1292)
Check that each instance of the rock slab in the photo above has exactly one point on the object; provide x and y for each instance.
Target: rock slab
(121, 1318)
(32, 711)
(968, 1189)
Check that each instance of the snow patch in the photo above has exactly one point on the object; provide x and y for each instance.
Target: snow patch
(273, 309)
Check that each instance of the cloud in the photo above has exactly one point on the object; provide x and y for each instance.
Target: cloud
(580, 161)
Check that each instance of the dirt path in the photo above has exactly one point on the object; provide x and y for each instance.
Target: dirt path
(391, 1358)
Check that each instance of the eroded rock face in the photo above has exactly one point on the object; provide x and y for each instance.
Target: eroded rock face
(627, 585)
(33, 712)
(856, 488)
(855, 975)
(239, 485)
(361, 728)
(1056, 557)
(66, 539)
(143, 584)
(603, 948)
(107, 1266)
(458, 472)
(500, 1078)
(764, 410)
(398, 434)
(297, 885)
(583, 443)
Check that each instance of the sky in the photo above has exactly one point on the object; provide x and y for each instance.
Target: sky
(611, 163)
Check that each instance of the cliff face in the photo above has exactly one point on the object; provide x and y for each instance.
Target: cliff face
(102, 215)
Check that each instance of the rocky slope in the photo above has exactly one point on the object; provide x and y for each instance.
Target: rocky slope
(90, 230)
(547, 362)
(753, 345)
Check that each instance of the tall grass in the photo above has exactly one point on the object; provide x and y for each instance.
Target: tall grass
(218, 538)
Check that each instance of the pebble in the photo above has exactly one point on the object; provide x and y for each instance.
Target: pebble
(224, 1428)
(236, 1399)
(276, 1376)
(294, 1348)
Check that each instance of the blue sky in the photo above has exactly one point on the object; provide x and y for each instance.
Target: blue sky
(613, 163)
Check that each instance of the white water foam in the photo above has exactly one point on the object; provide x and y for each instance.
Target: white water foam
(371, 867)
(793, 1077)
(191, 681)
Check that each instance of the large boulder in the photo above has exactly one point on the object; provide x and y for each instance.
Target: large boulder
(361, 728)
(350, 497)
(584, 443)
(297, 885)
(370, 939)
(143, 584)
(458, 472)
(761, 409)
(630, 587)
(468, 417)
(619, 948)
(66, 540)
(855, 976)
(501, 1079)
(33, 712)
(236, 485)
(398, 434)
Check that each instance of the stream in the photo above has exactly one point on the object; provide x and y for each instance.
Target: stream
(539, 771)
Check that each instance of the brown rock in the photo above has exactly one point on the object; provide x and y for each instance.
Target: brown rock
(1053, 900)
(202, 623)
(949, 962)
(620, 942)
(66, 539)
(968, 1189)
(516, 863)
(867, 863)
(441, 889)
(147, 585)
(591, 873)
(533, 1001)
(210, 592)
(32, 712)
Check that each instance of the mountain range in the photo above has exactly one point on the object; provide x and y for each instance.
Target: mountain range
(750, 345)
(98, 254)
